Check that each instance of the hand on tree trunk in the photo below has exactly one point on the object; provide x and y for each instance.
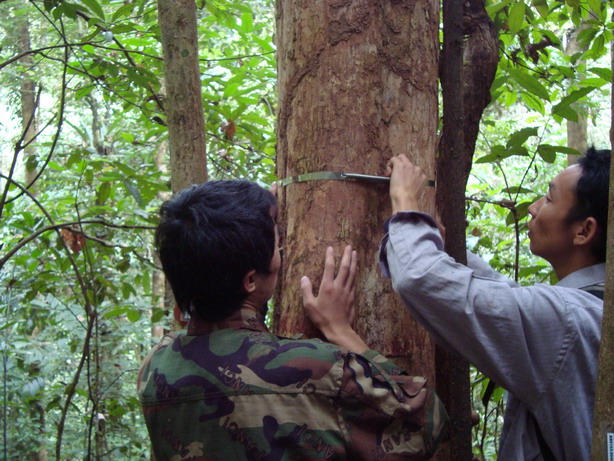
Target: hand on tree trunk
(332, 311)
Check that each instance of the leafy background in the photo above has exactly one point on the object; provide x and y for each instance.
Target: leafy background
(79, 307)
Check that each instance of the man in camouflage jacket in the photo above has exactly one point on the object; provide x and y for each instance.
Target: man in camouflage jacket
(231, 390)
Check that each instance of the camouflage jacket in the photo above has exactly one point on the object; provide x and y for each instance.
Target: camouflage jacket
(238, 392)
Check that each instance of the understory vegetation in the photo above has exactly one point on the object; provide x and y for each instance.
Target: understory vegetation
(84, 169)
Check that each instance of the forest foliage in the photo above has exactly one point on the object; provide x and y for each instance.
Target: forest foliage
(83, 174)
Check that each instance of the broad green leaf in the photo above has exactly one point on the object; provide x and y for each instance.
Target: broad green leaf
(593, 82)
(598, 47)
(571, 98)
(133, 191)
(595, 5)
(157, 314)
(568, 113)
(94, 7)
(530, 83)
(516, 190)
(586, 35)
(247, 23)
(104, 192)
(533, 102)
(516, 17)
(519, 137)
(122, 12)
(89, 49)
(547, 152)
(494, 9)
(115, 312)
(83, 92)
(603, 72)
(133, 315)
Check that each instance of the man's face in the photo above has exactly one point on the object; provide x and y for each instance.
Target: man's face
(550, 234)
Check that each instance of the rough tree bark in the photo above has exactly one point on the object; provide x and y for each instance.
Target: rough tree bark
(183, 107)
(603, 421)
(469, 62)
(357, 84)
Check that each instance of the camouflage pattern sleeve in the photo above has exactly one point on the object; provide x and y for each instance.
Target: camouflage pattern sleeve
(249, 395)
(390, 415)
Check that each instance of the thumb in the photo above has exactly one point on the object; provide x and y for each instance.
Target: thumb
(307, 290)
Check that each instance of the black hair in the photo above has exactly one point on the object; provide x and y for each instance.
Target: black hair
(209, 237)
(592, 195)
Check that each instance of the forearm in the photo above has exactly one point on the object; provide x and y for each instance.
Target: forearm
(345, 337)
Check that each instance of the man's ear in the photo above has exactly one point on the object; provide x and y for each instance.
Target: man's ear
(249, 282)
(586, 231)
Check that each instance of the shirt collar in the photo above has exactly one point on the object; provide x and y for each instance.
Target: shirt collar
(584, 277)
(244, 318)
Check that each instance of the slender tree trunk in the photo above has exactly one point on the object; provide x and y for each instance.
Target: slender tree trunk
(603, 421)
(576, 131)
(452, 370)
(28, 103)
(357, 84)
(184, 107)
(469, 63)
(162, 296)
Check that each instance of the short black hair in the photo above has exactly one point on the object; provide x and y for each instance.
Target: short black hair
(592, 195)
(210, 235)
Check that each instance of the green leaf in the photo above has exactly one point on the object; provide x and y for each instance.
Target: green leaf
(133, 315)
(520, 137)
(134, 191)
(494, 9)
(89, 49)
(586, 35)
(516, 17)
(533, 102)
(123, 12)
(548, 152)
(516, 190)
(247, 22)
(157, 314)
(529, 83)
(94, 7)
(571, 98)
(603, 72)
(115, 312)
(104, 192)
(567, 112)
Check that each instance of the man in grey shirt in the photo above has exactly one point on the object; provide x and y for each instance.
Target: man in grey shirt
(541, 342)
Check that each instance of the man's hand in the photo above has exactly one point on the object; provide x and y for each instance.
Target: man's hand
(332, 311)
(406, 184)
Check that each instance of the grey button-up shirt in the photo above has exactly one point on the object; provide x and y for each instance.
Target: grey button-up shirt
(540, 343)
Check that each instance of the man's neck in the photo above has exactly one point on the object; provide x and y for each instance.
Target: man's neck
(573, 264)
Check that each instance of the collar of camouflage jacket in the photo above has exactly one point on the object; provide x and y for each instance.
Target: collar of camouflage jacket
(244, 318)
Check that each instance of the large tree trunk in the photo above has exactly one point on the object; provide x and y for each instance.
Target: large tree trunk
(603, 421)
(357, 84)
(183, 107)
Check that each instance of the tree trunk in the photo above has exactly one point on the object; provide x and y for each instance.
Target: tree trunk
(469, 63)
(357, 84)
(184, 107)
(577, 132)
(603, 421)
(28, 104)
